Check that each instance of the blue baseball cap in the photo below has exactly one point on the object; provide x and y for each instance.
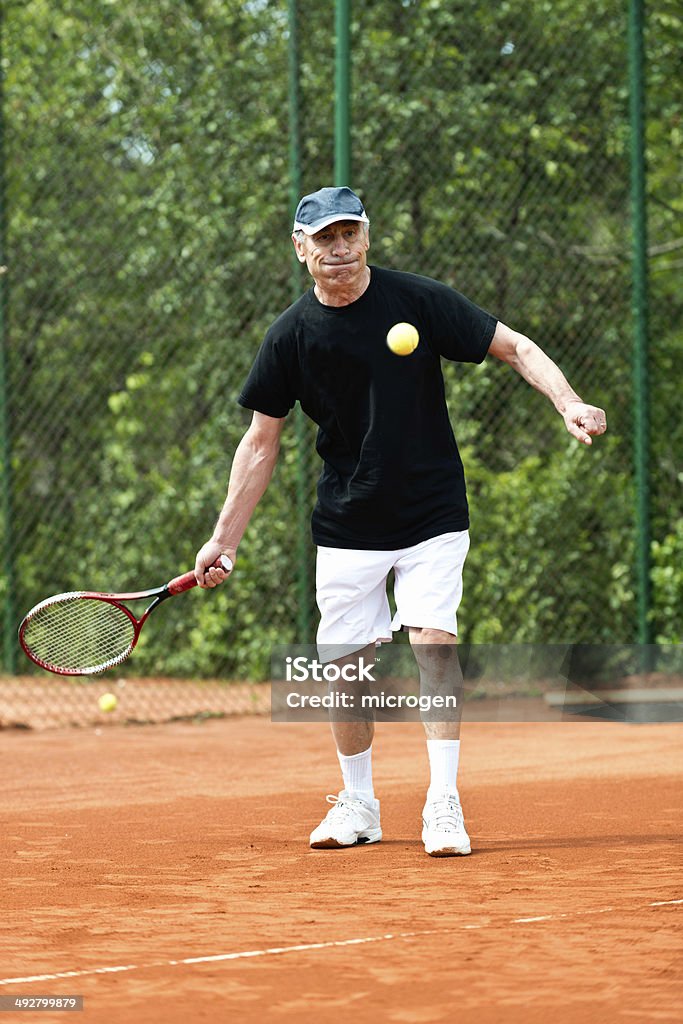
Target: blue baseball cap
(327, 205)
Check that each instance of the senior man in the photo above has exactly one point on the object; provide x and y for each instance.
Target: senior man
(391, 494)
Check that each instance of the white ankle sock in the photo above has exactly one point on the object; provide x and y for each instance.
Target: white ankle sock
(357, 773)
(443, 766)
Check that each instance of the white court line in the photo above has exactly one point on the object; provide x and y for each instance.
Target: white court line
(307, 947)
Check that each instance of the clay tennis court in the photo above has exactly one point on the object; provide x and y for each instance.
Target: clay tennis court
(164, 873)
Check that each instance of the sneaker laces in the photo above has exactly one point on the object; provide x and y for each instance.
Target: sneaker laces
(446, 815)
(343, 807)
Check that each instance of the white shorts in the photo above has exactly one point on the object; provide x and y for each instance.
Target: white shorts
(351, 587)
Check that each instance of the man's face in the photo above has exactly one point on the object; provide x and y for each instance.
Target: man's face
(335, 255)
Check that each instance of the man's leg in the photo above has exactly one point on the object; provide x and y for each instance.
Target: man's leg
(352, 734)
(354, 816)
(428, 589)
(443, 831)
(354, 730)
(351, 593)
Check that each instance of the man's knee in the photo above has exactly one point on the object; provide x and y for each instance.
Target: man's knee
(431, 636)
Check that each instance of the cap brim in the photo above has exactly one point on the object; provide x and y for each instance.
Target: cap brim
(310, 229)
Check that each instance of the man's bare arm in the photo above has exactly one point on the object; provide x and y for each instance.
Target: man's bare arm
(523, 355)
(252, 469)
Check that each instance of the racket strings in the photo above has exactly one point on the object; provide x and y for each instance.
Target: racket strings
(78, 633)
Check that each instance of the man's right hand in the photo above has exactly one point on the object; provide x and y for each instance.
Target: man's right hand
(206, 573)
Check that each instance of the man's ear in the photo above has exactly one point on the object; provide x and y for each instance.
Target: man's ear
(299, 249)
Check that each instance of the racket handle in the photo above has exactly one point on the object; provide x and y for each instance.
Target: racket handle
(187, 581)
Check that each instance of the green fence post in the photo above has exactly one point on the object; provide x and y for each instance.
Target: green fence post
(636, 63)
(342, 122)
(302, 495)
(9, 644)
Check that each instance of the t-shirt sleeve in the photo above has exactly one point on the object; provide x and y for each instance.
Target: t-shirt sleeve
(460, 330)
(271, 386)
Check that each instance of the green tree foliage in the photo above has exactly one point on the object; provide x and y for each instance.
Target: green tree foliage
(146, 152)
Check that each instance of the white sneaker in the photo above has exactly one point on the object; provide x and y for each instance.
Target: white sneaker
(349, 821)
(443, 827)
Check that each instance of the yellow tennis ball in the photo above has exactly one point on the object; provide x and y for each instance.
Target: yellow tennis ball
(107, 702)
(403, 339)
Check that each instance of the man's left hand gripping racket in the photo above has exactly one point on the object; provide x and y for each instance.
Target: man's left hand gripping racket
(83, 632)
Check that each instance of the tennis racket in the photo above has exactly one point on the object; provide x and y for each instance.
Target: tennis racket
(84, 632)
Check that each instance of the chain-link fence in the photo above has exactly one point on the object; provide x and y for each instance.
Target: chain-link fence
(147, 219)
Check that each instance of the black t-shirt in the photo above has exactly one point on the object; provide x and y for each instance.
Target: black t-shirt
(392, 475)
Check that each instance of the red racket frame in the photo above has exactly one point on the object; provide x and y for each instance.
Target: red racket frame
(178, 585)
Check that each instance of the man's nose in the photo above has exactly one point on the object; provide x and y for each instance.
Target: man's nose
(339, 244)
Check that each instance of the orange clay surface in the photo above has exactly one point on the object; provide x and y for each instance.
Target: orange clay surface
(128, 851)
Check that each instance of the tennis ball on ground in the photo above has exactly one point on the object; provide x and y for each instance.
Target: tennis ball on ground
(107, 702)
(403, 339)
